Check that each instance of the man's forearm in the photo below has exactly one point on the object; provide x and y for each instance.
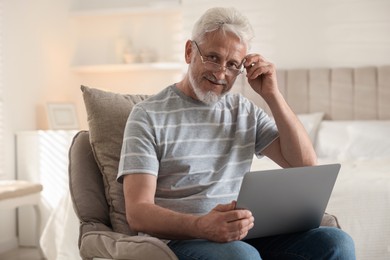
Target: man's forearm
(222, 224)
(295, 143)
(162, 223)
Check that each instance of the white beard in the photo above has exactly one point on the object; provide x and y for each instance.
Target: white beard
(207, 97)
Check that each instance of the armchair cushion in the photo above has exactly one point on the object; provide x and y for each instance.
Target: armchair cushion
(330, 220)
(107, 115)
(113, 245)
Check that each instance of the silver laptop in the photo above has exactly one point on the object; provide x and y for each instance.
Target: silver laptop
(287, 200)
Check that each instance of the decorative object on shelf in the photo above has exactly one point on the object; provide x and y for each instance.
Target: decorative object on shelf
(124, 50)
(147, 55)
(120, 44)
(62, 116)
(129, 57)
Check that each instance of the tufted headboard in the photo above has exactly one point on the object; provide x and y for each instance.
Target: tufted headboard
(342, 93)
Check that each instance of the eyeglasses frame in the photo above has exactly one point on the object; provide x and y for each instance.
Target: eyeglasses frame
(235, 71)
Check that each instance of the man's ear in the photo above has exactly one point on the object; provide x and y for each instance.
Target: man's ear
(188, 51)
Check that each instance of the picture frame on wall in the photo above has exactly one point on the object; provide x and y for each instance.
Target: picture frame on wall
(62, 116)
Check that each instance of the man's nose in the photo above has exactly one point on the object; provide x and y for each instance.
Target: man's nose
(220, 74)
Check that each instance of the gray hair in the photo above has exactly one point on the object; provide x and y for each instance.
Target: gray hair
(226, 20)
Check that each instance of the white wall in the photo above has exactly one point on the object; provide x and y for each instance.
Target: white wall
(39, 43)
(307, 33)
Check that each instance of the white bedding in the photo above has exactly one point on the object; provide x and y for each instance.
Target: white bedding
(361, 197)
(361, 201)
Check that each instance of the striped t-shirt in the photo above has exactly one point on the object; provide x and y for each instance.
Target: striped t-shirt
(199, 153)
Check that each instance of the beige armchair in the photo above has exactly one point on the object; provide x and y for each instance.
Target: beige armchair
(97, 197)
(97, 238)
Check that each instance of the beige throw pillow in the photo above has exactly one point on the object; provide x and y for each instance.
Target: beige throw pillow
(107, 115)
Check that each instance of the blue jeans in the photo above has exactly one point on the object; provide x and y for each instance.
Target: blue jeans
(320, 243)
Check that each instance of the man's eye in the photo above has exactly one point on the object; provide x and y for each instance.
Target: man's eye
(232, 65)
(212, 58)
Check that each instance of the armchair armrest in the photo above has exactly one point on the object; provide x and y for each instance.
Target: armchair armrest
(112, 245)
(330, 221)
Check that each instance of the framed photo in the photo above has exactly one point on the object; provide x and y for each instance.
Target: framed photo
(62, 116)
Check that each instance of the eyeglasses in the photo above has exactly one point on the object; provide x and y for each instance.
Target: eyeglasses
(230, 70)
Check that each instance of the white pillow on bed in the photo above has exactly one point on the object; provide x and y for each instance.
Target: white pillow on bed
(353, 139)
(311, 123)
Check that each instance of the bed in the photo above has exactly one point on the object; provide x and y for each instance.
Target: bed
(346, 112)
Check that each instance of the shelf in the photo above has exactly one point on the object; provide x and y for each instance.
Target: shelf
(162, 66)
(138, 10)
